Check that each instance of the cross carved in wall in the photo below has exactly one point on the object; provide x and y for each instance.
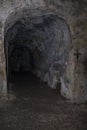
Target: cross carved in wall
(77, 54)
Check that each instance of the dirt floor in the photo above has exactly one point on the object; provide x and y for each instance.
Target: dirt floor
(31, 105)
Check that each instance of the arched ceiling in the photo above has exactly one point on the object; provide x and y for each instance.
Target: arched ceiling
(46, 35)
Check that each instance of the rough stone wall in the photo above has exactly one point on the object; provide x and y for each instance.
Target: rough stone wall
(2, 57)
(74, 83)
(75, 13)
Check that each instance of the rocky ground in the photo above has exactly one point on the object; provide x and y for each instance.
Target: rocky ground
(31, 105)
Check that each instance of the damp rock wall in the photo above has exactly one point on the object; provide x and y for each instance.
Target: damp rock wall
(75, 13)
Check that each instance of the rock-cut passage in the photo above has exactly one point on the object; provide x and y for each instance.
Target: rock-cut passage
(38, 43)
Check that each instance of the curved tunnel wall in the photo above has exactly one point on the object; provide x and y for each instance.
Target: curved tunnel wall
(46, 36)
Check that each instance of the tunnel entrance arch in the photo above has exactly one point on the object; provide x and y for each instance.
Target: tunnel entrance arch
(45, 35)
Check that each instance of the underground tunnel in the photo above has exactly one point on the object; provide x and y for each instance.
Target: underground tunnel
(36, 42)
(43, 65)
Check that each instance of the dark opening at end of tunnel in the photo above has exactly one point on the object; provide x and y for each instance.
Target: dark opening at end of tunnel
(21, 65)
(21, 68)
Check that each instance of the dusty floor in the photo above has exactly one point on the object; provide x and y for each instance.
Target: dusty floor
(30, 105)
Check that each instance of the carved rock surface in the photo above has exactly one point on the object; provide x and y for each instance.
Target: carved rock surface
(38, 41)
